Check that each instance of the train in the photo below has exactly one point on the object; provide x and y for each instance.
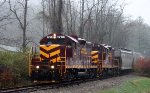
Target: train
(62, 57)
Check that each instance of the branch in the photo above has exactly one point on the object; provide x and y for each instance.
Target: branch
(31, 41)
(3, 3)
(89, 14)
(21, 4)
(5, 24)
(5, 17)
(15, 13)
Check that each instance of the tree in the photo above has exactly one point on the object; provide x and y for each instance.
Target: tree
(4, 14)
(43, 7)
(23, 23)
(81, 28)
(4, 19)
(59, 22)
(53, 15)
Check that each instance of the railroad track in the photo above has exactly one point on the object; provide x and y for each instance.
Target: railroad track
(33, 88)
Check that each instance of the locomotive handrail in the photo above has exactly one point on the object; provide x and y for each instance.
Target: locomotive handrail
(30, 58)
(62, 61)
(100, 64)
(32, 53)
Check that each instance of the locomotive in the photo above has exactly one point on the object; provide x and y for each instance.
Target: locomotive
(62, 57)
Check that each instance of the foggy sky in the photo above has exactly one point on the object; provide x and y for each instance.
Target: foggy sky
(136, 8)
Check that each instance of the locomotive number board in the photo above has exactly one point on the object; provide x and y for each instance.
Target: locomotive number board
(54, 36)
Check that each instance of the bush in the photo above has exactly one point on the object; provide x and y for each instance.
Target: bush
(14, 65)
(143, 67)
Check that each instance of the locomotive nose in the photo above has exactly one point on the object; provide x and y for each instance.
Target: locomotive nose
(50, 52)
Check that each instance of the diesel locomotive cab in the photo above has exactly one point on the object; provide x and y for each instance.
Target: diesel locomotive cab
(52, 58)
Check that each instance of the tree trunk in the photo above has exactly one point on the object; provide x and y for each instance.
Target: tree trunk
(43, 6)
(81, 29)
(59, 22)
(25, 25)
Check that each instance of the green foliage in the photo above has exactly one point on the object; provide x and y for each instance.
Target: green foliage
(16, 65)
(138, 85)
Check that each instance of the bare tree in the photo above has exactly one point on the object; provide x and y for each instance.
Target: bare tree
(99, 18)
(4, 15)
(70, 16)
(22, 23)
(81, 28)
(53, 15)
(43, 6)
(59, 22)
(4, 19)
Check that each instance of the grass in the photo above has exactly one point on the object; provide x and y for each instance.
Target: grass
(137, 85)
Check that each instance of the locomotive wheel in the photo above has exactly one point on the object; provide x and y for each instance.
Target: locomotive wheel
(104, 73)
(69, 77)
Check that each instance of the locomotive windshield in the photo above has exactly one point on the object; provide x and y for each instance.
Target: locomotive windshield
(97, 48)
(55, 41)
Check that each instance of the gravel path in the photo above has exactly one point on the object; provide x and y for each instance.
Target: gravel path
(92, 86)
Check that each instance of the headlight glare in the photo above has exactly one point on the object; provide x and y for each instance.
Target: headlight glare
(52, 67)
(37, 67)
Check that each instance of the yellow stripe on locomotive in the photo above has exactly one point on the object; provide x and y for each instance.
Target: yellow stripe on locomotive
(83, 51)
(50, 52)
(94, 57)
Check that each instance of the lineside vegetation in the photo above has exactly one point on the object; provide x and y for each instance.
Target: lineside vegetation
(13, 69)
(143, 67)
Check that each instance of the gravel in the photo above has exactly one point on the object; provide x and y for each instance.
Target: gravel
(91, 86)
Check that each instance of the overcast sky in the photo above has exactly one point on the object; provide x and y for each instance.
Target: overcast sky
(134, 8)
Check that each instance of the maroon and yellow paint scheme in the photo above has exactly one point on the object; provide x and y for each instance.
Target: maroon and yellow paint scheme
(66, 57)
(51, 62)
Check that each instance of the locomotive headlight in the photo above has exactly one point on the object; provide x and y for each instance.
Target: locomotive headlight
(54, 36)
(52, 67)
(37, 67)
